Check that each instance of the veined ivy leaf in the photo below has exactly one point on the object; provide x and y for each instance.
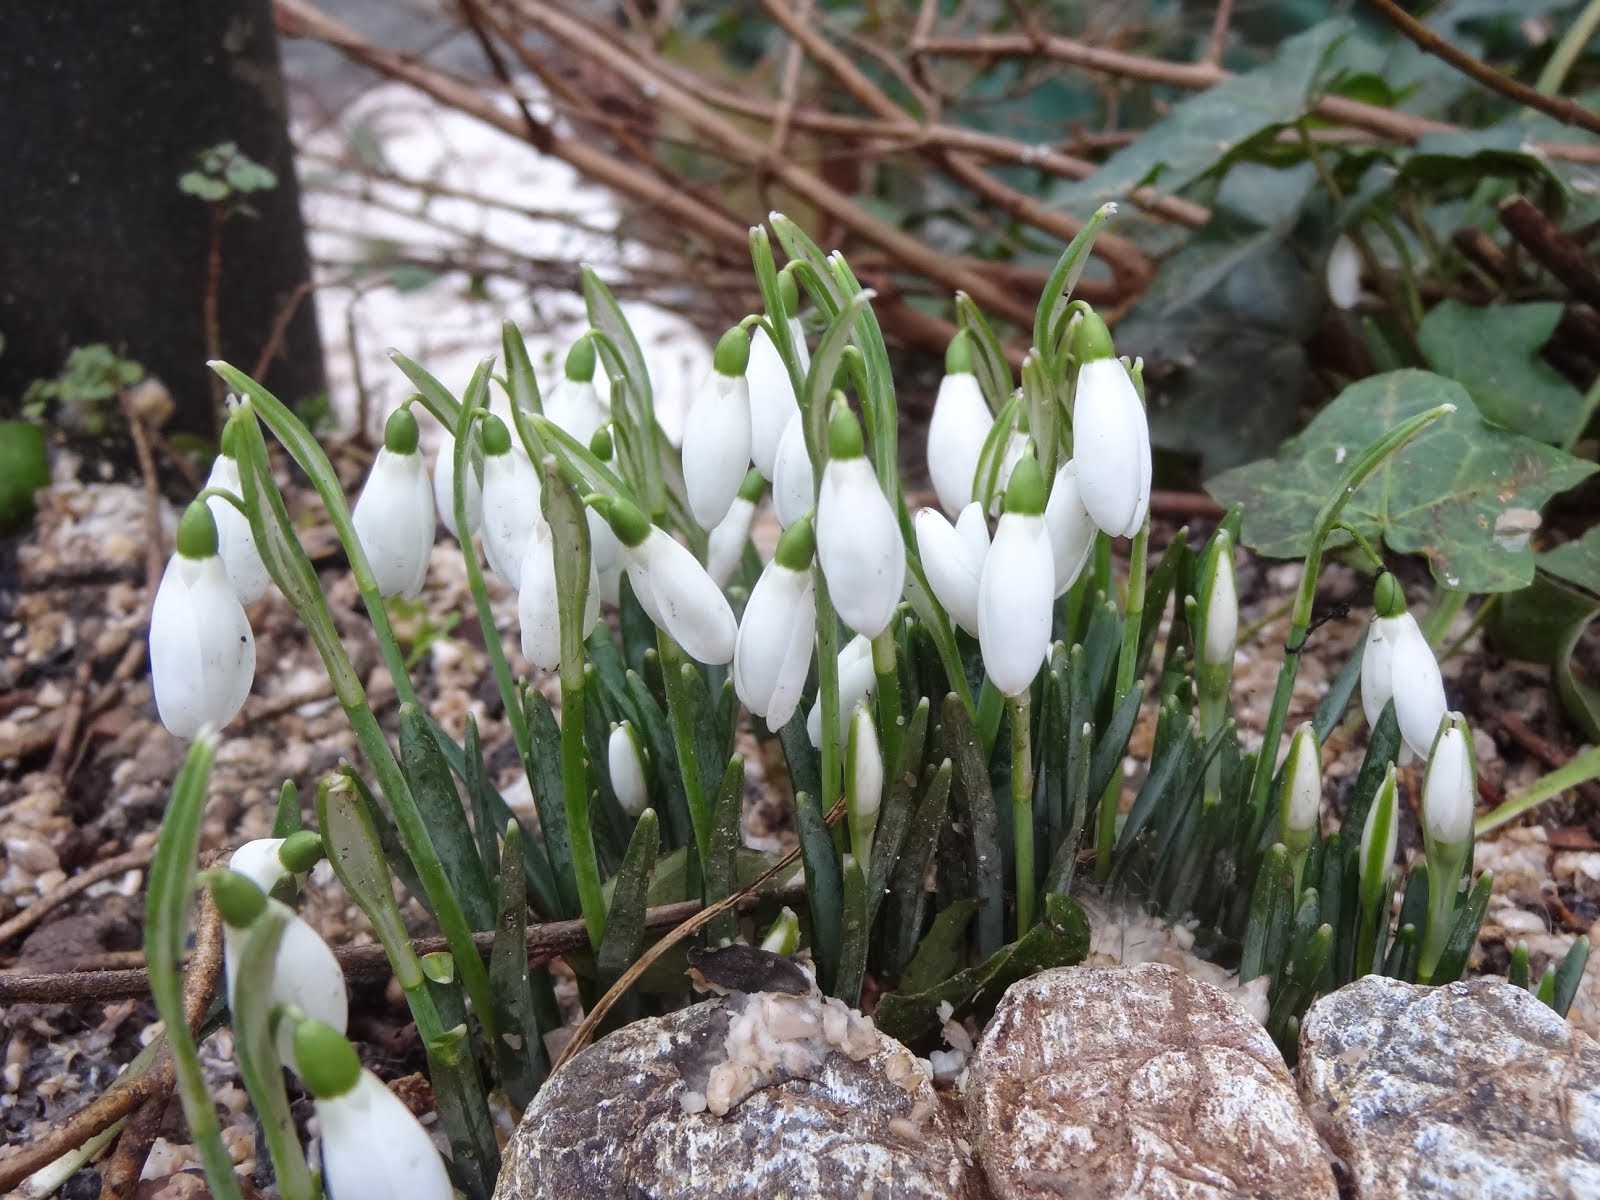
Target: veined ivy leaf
(1576, 562)
(1464, 494)
(1200, 133)
(1494, 353)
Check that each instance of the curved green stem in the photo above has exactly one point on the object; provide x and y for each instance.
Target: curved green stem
(1022, 808)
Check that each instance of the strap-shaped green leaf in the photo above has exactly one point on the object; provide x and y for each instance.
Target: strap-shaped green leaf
(519, 1049)
(445, 818)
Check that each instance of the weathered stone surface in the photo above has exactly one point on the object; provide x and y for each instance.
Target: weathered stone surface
(1114, 1082)
(1469, 1090)
(619, 1121)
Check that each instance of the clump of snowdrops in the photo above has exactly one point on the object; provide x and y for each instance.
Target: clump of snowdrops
(953, 690)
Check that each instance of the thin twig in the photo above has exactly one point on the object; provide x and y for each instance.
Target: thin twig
(133, 860)
(1564, 258)
(1218, 40)
(280, 327)
(1567, 111)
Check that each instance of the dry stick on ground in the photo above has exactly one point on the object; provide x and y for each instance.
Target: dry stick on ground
(1564, 258)
(1562, 109)
(1218, 41)
(133, 860)
(1551, 755)
(154, 1086)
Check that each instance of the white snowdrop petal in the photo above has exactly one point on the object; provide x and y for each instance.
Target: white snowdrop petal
(725, 546)
(258, 862)
(236, 545)
(444, 500)
(538, 612)
(1344, 273)
(716, 447)
(574, 405)
(793, 493)
(374, 1149)
(952, 572)
(510, 512)
(393, 520)
(1111, 445)
(1072, 530)
(772, 400)
(956, 431)
(1418, 687)
(774, 643)
(1449, 792)
(1377, 671)
(202, 653)
(627, 772)
(1016, 595)
(678, 596)
(304, 973)
(856, 683)
(859, 547)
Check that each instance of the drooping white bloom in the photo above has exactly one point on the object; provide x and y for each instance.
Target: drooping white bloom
(511, 511)
(574, 403)
(626, 764)
(793, 487)
(673, 588)
(772, 398)
(305, 973)
(1398, 663)
(606, 554)
(1016, 592)
(859, 546)
(1110, 436)
(857, 682)
(716, 433)
(725, 546)
(202, 653)
(538, 601)
(1071, 528)
(374, 1149)
(952, 557)
(393, 517)
(1450, 789)
(960, 422)
(444, 482)
(235, 543)
(773, 652)
(258, 862)
(1343, 273)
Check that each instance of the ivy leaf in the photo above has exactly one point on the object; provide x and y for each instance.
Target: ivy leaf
(1464, 494)
(1494, 353)
(1200, 133)
(1576, 562)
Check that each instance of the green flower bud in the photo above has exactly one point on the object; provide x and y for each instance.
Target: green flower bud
(197, 532)
(1388, 596)
(844, 431)
(496, 437)
(1093, 339)
(329, 1066)
(732, 355)
(1025, 493)
(958, 355)
(797, 547)
(581, 360)
(600, 445)
(788, 293)
(301, 851)
(400, 432)
(630, 525)
(238, 899)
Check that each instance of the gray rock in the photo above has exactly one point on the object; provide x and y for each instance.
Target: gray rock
(629, 1116)
(1113, 1082)
(1470, 1090)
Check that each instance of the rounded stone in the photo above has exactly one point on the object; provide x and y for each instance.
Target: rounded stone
(1116, 1082)
(1468, 1090)
(629, 1116)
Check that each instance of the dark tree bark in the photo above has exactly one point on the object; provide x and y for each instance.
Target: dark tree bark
(106, 104)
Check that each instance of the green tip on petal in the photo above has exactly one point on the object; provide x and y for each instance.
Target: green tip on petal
(327, 1062)
(733, 353)
(958, 356)
(1026, 494)
(752, 487)
(197, 532)
(1094, 339)
(400, 432)
(600, 444)
(844, 431)
(629, 524)
(797, 546)
(788, 293)
(580, 360)
(230, 438)
(1388, 597)
(238, 899)
(301, 851)
(496, 437)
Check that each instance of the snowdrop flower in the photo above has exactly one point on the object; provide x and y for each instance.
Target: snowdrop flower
(1376, 873)
(1301, 799)
(1219, 604)
(538, 601)
(626, 763)
(510, 502)
(725, 546)
(773, 652)
(235, 543)
(1450, 788)
(1016, 592)
(393, 517)
(772, 398)
(716, 433)
(372, 1147)
(1343, 275)
(671, 586)
(857, 683)
(952, 557)
(304, 971)
(202, 653)
(859, 545)
(793, 486)
(1110, 435)
(1071, 528)
(1398, 664)
(574, 404)
(961, 421)
(444, 494)
(863, 786)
